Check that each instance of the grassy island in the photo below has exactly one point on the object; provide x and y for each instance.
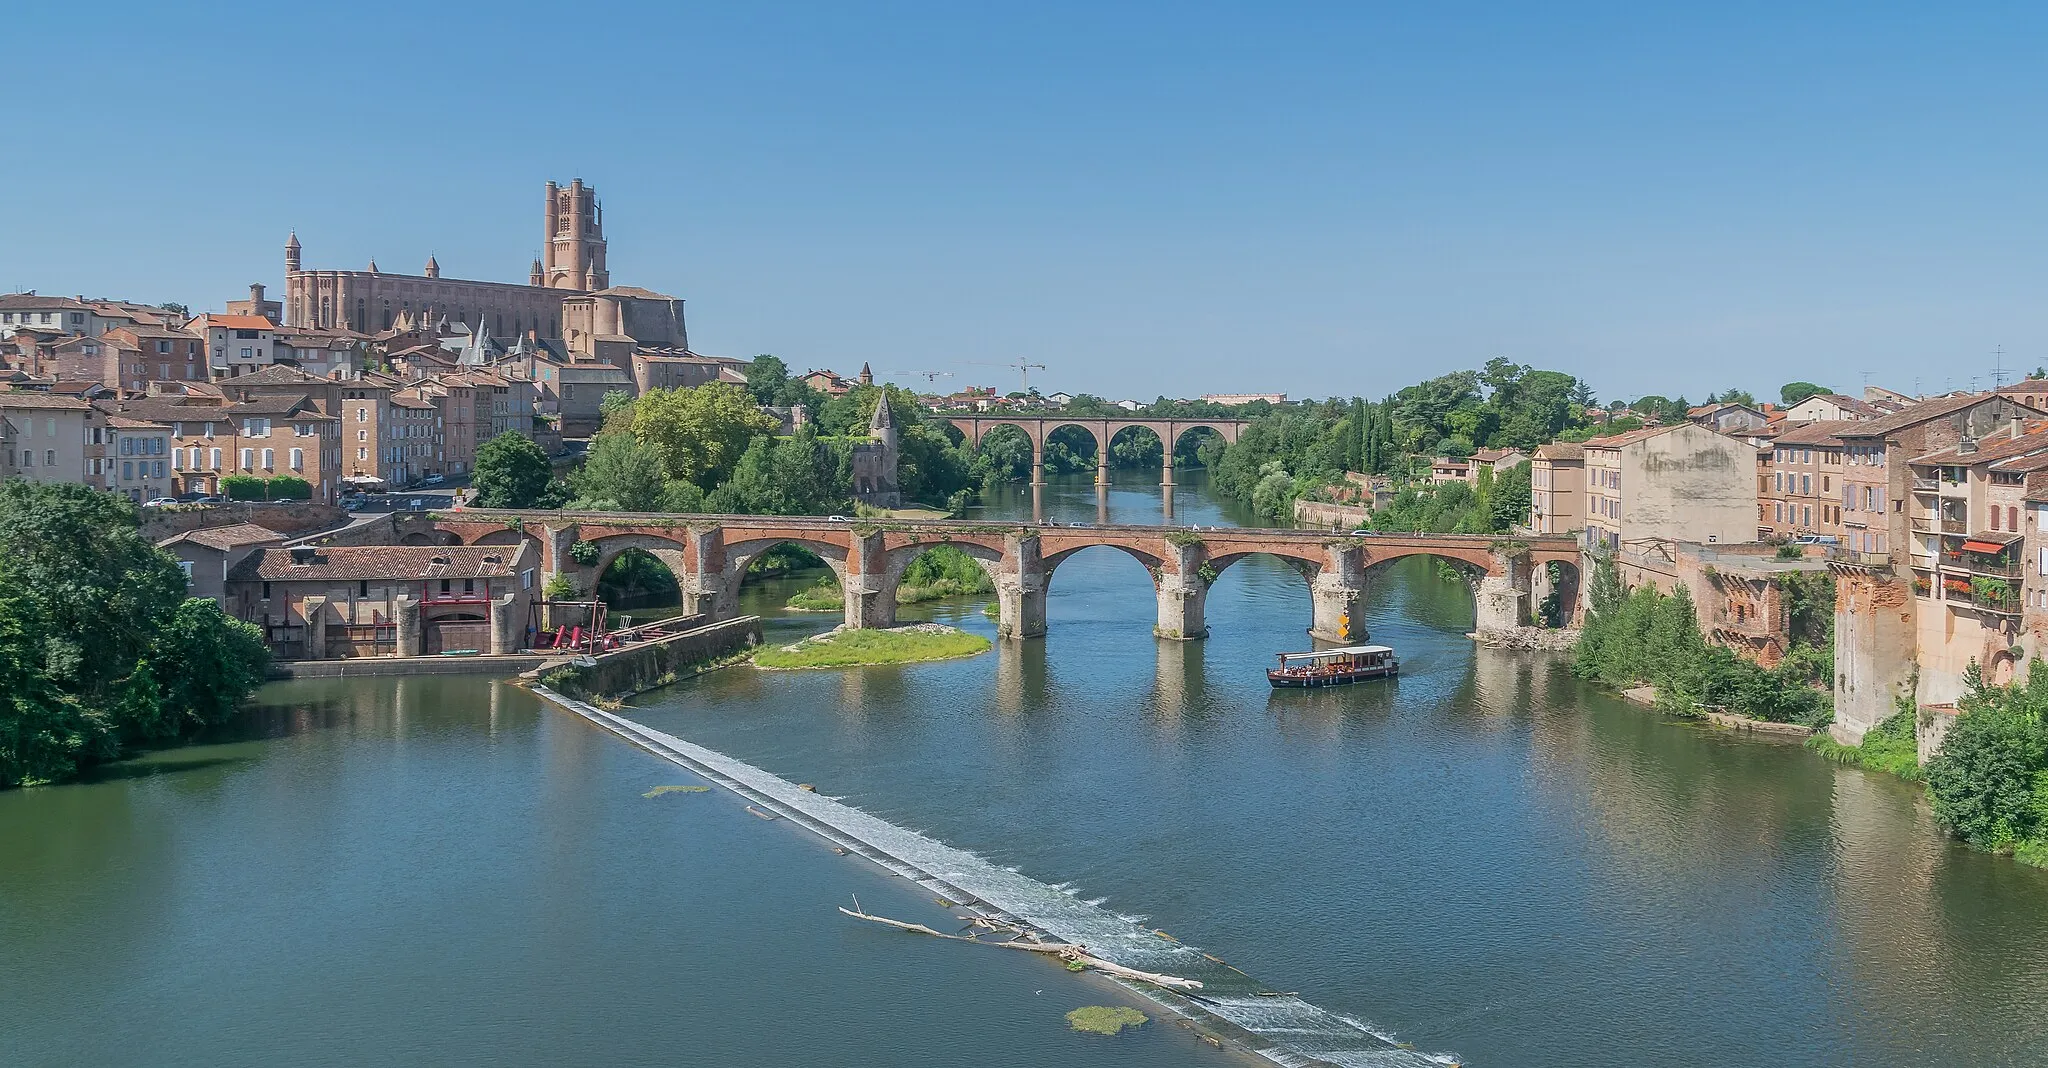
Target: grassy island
(862, 648)
(1104, 1019)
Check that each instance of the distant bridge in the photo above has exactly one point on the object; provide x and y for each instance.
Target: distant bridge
(1104, 430)
(709, 554)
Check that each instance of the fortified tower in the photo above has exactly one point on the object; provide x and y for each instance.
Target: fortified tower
(573, 257)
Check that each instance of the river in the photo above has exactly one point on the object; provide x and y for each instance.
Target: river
(1484, 858)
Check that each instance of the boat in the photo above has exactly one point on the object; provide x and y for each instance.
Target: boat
(1334, 667)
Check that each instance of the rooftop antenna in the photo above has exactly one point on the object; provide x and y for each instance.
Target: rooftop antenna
(1998, 371)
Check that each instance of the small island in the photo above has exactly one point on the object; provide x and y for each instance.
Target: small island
(864, 648)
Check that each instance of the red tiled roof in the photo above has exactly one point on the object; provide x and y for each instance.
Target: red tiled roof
(227, 537)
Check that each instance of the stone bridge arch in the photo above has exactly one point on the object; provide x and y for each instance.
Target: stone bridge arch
(740, 555)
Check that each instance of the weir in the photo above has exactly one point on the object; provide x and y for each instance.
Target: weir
(1285, 1029)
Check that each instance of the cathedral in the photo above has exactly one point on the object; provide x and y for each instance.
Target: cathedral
(568, 296)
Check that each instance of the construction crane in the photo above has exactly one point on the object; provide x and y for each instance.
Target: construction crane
(928, 376)
(1023, 369)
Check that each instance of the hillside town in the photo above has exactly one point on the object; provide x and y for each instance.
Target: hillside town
(1853, 555)
(357, 382)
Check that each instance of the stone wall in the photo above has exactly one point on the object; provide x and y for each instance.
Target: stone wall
(658, 663)
(1317, 515)
(1874, 650)
(285, 517)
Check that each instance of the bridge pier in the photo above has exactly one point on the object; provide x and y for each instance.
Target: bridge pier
(870, 596)
(1337, 591)
(1020, 589)
(1183, 595)
(1503, 595)
(1339, 612)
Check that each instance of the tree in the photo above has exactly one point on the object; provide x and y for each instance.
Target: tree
(1989, 782)
(511, 472)
(1510, 498)
(175, 308)
(766, 377)
(698, 433)
(620, 475)
(1792, 393)
(99, 647)
(612, 403)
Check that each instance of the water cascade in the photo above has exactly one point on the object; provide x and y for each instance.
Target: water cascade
(1280, 1027)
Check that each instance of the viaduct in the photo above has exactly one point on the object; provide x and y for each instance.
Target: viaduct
(1103, 430)
(709, 555)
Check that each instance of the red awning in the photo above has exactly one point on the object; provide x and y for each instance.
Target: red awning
(1983, 547)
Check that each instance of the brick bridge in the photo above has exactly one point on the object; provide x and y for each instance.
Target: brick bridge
(1104, 431)
(709, 554)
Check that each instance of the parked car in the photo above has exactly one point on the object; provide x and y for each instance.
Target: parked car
(159, 502)
(1365, 532)
(837, 519)
(198, 498)
(1816, 539)
(432, 480)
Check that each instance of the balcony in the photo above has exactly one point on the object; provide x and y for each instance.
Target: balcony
(1976, 564)
(1838, 555)
(1925, 485)
(1992, 595)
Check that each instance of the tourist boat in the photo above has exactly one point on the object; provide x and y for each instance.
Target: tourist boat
(1335, 667)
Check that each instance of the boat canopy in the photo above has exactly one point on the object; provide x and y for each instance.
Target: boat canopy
(1324, 654)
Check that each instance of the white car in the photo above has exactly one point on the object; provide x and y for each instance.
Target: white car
(433, 480)
(159, 502)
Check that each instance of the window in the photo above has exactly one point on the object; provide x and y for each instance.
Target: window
(49, 457)
(255, 428)
(298, 459)
(28, 458)
(269, 459)
(266, 591)
(362, 454)
(127, 446)
(163, 347)
(1806, 484)
(157, 466)
(362, 415)
(186, 567)
(214, 460)
(305, 430)
(1994, 517)
(248, 458)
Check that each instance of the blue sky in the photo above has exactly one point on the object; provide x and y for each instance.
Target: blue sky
(1173, 198)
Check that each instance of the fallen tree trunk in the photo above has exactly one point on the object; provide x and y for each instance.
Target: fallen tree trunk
(1074, 954)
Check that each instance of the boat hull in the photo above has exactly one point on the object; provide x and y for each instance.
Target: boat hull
(1286, 681)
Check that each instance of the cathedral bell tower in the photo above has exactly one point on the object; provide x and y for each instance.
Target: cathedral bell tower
(573, 257)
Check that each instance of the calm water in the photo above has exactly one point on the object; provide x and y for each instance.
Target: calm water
(1483, 857)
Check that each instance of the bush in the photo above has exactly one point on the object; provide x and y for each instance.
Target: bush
(245, 488)
(1989, 783)
(289, 488)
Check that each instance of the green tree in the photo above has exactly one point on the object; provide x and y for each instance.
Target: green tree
(511, 472)
(99, 647)
(766, 377)
(612, 403)
(1510, 499)
(620, 475)
(1792, 393)
(1989, 782)
(698, 433)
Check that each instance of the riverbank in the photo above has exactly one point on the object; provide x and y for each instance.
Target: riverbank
(917, 643)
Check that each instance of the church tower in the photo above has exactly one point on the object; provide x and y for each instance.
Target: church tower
(573, 257)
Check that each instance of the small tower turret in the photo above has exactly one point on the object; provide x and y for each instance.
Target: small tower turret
(867, 377)
(291, 252)
(433, 267)
(534, 277)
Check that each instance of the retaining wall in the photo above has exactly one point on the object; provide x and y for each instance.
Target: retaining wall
(660, 662)
(406, 665)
